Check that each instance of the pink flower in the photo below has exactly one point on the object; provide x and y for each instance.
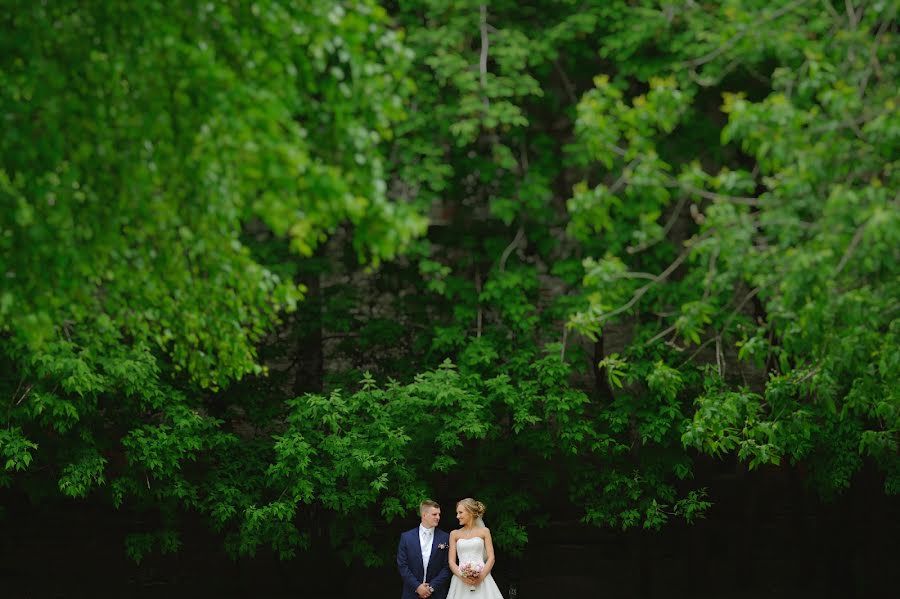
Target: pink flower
(471, 570)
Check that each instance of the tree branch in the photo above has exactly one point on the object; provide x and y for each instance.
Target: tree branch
(831, 9)
(753, 292)
(623, 178)
(25, 394)
(711, 272)
(658, 278)
(673, 182)
(737, 37)
(482, 63)
(720, 357)
(711, 195)
(567, 84)
(660, 335)
(633, 249)
(874, 65)
(696, 351)
(634, 275)
(479, 316)
(857, 237)
(513, 244)
(852, 16)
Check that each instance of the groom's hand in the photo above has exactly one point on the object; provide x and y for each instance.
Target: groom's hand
(424, 591)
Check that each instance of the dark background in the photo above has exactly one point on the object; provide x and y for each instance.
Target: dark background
(767, 535)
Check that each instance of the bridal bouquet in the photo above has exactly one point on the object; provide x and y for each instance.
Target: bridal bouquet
(471, 570)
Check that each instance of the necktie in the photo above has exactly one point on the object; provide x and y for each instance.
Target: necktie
(426, 549)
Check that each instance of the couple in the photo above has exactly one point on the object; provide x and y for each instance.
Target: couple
(427, 556)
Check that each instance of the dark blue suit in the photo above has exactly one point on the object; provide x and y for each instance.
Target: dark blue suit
(409, 562)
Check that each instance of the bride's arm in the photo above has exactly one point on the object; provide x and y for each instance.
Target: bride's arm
(489, 549)
(452, 555)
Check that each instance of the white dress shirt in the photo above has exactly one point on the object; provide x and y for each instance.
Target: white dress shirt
(426, 536)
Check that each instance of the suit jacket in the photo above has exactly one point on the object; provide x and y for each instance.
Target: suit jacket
(409, 562)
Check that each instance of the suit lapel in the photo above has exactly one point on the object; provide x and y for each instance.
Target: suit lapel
(416, 548)
(434, 544)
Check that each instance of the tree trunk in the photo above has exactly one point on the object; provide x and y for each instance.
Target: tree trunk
(308, 357)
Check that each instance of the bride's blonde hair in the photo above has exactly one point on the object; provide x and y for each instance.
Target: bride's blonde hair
(476, 508)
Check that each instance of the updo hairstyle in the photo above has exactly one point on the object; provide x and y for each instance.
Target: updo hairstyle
(476, 508)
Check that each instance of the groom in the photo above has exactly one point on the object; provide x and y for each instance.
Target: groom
(422, 556)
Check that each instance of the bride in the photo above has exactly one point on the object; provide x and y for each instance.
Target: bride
(472, 545)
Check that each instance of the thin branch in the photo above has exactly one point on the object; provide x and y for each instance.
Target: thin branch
(852, 16)
(857, 237)
(339, 336)
(874, 65)
(567, 84)
(753, 292)
(479, 317)
(711, 272)
(513, 244)
(720, 357)
(633, 249)
(18, 387)
(632, 274)
(524, 160)
(623, 178)
(810, 373)
(482, 63)
(737, 37)
(671, 343)
(660, 335)
(673, 182)
(698, 216)
(617, 150)
(658, 278)
(709, 81)
(853, 22)
(711, 195)
(861, 120)
(696, 351)
(831, 9)
(25, 394)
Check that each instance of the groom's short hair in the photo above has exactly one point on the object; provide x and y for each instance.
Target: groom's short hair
(428, 503)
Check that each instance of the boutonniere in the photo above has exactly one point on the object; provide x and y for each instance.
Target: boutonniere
(443, 546)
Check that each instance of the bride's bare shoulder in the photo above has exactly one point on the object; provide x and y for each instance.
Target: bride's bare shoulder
(454, 534)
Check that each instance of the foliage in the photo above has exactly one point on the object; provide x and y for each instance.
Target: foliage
(790, 262)
(655, 230)
(142, 144)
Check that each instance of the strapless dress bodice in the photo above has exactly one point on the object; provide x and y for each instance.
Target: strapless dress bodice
(470, 550)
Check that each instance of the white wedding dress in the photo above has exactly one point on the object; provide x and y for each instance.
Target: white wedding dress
(472, 550)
